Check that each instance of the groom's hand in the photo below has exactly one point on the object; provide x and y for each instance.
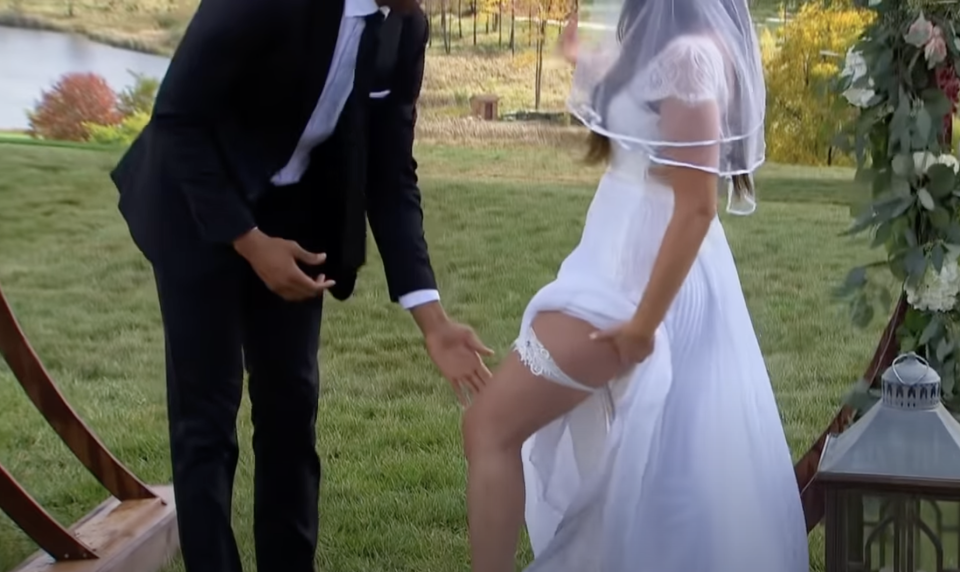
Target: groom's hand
(455, 349)
(275, 262)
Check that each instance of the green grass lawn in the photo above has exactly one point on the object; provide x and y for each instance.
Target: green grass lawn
(499, 221)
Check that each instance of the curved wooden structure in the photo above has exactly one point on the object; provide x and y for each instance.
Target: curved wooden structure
(806, 467)
(134, 530)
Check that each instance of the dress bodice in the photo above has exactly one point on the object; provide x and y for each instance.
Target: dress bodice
(692, 69)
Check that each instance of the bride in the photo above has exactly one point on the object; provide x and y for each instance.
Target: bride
(635, 420)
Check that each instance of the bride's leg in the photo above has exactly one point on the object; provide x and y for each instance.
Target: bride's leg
(515, 404)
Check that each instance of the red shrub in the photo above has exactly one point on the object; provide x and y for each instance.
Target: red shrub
(76, 99)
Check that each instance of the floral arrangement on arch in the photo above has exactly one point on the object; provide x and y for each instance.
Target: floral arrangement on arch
(902, 77)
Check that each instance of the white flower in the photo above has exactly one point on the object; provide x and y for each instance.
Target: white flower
(937, 291)
(859, 97)
(950, 161)
(923, 160)
(855, 67)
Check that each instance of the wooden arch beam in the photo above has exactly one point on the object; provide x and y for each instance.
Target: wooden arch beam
(34, 520)
(811, 495)
(136, 529)
(43, 392)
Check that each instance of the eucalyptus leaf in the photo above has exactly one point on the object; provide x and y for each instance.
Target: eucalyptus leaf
(936, 257)
(932, 330)
(862, 313)
(915, 263)
(924, 125)
(936, 102)
(910, 236)
(902, 165)
(857, 277)
(902, 206)
(882, 234)
(940, 219)
(900, 186)
(885, 299)
(942, 180)
(855, 280)
(943, 349)
(923, 195)
(953, 233)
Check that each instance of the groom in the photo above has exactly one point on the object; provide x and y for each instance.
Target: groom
(280, 129)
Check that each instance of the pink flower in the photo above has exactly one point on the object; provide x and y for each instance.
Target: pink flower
(920, 32)
(935, 50)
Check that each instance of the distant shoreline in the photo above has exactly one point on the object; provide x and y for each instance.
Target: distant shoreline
(25, 21)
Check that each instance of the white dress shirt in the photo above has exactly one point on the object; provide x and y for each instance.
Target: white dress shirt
(326, 114)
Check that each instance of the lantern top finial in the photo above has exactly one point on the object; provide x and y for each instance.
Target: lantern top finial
(910, 383)
(909, 438)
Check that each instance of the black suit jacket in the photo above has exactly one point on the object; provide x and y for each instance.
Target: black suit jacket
(229, 113)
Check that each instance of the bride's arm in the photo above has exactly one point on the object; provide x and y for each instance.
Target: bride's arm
(695, 207)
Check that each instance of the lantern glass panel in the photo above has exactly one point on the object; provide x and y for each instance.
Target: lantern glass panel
(899, 533)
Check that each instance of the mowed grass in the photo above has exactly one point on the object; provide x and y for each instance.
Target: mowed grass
(499, 221)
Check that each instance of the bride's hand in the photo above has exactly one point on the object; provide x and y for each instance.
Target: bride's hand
(568, 44)
(633, 344)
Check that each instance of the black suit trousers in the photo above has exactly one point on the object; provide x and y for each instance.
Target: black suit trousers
(219, 319)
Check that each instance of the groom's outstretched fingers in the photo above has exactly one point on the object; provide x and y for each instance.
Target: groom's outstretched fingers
(476, 381)
(478, 346)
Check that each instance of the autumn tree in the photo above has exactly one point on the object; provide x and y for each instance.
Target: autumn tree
(801, 59)
(73, 102)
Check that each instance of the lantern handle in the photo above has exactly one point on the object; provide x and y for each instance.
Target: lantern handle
(901, 357)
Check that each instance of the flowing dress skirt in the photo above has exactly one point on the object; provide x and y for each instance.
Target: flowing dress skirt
(681, 465)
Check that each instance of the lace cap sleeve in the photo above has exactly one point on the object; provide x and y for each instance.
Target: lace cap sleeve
(690, 69)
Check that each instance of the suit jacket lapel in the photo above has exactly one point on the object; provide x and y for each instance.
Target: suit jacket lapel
(352, 137)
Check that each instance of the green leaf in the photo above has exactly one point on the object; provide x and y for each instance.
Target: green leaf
(944, 349)
(924, 125)
(923, 195)
(948, 378)
(936, 102)
(915, 263)
(902, 165)
(857, 277)
(914, 320)
(936, 257)
(882, 234)
(940, 219)
(910, 236)
(942, 180)
(953, 233)
(932, 330)
(900, 186)
(885, 299)
(862, 312)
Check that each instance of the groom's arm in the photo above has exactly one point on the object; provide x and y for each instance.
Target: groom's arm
(222, 38)
(393, 195)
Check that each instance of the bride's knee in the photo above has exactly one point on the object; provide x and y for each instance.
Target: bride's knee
(483, 434)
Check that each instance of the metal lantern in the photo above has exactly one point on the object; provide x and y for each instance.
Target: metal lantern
(892, 480)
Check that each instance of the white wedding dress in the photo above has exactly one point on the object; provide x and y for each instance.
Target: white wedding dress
(681, 465)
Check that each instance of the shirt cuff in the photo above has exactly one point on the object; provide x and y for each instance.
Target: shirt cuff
(418, 298)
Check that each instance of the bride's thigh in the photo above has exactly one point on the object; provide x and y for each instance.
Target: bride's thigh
(516, 402)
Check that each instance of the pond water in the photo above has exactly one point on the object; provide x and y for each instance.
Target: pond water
(32, 61)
